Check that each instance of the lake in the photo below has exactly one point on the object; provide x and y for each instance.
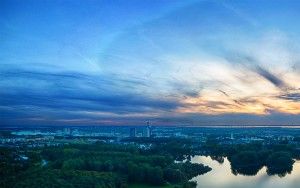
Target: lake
(221, 177)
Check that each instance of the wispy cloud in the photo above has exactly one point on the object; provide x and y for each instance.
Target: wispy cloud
(197, 62)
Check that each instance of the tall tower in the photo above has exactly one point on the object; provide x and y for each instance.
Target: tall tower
(148, 129)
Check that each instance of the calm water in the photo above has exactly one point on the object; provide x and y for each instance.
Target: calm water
(221, 177)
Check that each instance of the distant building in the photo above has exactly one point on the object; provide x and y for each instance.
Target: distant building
(148, 130)
(67, 131)
(132, 132)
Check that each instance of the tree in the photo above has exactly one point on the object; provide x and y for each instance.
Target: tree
(154, 175)
(279, 163)
(246, 162)
(174, 175)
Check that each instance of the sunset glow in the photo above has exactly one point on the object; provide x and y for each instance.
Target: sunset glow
(182, 62)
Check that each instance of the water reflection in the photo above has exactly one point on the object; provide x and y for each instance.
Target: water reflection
(251, 170)
(219, 159)
(221, 176)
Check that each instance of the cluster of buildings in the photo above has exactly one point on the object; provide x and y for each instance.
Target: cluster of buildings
(53, 136)
(261, 138)
(146, 132)
(29, 141)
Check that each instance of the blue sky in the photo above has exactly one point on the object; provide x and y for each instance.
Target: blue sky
(170, 62)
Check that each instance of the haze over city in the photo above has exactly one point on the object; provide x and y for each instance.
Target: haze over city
(169, 62)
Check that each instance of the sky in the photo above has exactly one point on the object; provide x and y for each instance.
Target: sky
(170, 62)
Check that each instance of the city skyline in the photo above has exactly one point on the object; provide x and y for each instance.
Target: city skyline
(168, 62)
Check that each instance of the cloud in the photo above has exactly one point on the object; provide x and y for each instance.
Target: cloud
(71, 91)
(291, 96)
(197, 62)
(270, 77)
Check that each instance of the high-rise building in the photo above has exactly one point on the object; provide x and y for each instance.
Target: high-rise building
(148, 130)
(133, 132)
(67, 131)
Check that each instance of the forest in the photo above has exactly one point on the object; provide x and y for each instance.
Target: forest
(248, 159)
(162, 162)
(95, 165)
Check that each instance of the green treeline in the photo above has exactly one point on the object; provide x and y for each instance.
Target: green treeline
(248, 159)
(125, 165)
(95, 165)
